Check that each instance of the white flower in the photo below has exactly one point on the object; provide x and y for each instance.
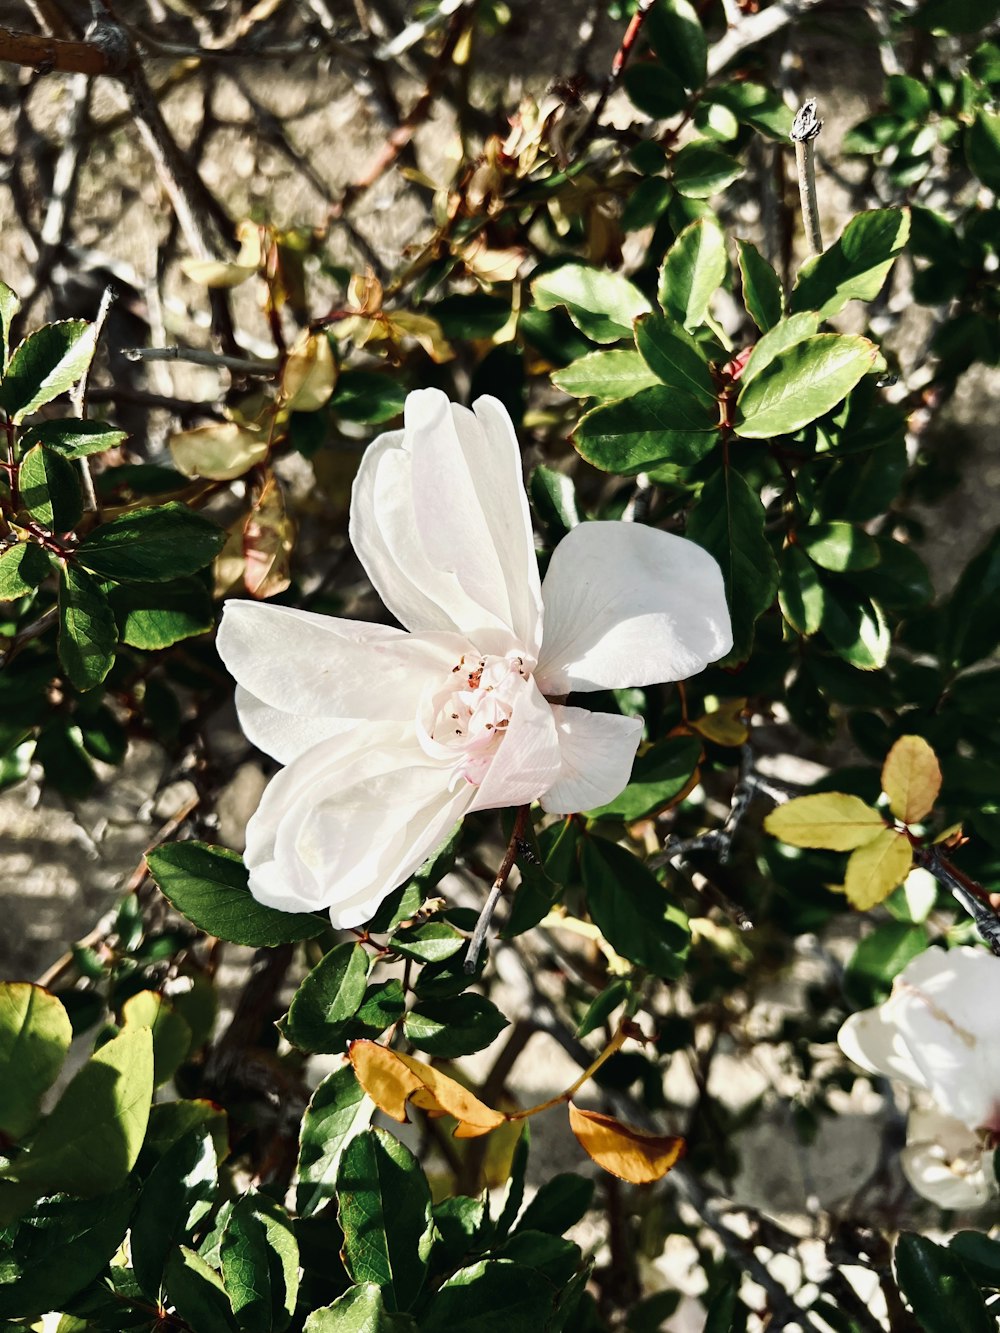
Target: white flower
(390, 737)
(939, 1034)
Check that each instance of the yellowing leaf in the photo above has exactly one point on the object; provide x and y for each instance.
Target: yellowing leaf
(425, 331)
(229, 273)
(220, 452)
(268, 539)
(874, 871)
(310, 373)
(624, 1151)
(911, 778)
(392, 1079)
(725, 726)
(831, 820)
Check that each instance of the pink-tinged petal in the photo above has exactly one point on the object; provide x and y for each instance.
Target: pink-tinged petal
(877, 1046)
(319, 666)
(346, 823)
(527, 759)
(283, 735)
(628, 605)
(596, 751)
(419, 528)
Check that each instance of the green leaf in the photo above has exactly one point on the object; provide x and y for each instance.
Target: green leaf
(838, 546)
(492, 1296)
(721, 1314)
(956, 16)
(935, 1282)
(980, 1256)
(693, 269)
(35, 1034)
(340, 1109)
(196, 1290)
(171, 1035)
(514, 1191)
(50, 489)
(553, 1257)
(367, 396)
(602, 305)
(260, 1264)
(156, 615)
(800, 592)
(10, 304)
(603, 1006)
(677, 37)
(971, 627)
(57, 1249)
(208, 885)
(462, 1224)
(802, 384)
(782, 335)
(855, 266)
(559, 1204)
(654, 89)
(619, 373)
(73, 438)
(359, 1310)
(453, 1027)
(46, 364)
(658, 775)
(701, 169)
(654, 427)
(103, 735)
(88, 635)
(757, 106)
(878, 958)
(176, 1196)
(89, 1142)
(383, 1005)
(326, 998)
(430, 942)
(762, 292)
(631, 908)
(675, 357)
(728, 521)
(554, 497)
(384, 1205)
(152, 545)
(982, 148)
(22, 568)
(856, 628)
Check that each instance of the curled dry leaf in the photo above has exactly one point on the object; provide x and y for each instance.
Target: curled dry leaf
(268, 539)
(392, 1079)
(624, 1151)
(310, 373)
(229, 273)
(911, 778)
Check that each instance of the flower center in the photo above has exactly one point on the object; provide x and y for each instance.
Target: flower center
(466, 718)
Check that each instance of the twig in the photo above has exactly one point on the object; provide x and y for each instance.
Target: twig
(805, 132)
(966, 892)
(419, 28)
(754, 29)
(618, 64)
(198, 356)
(78, 398)
(489, 907)
(53, 53)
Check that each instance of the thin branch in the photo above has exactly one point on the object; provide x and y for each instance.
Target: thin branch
(244, 365)
(805, 132)
(54, 53)
(486, 915)
(754, 29)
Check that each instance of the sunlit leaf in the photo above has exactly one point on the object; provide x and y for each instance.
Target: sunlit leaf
(624, 1151)
(830, 819)
(911, 778)
(392, 1079)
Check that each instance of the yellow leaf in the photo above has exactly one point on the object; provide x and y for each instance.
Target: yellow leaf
(874, 871)
(229, 273)
(624, 1151)
(392, 1079)
(725, 726)
(911, 778)
(309, 374)
(423, 330)
(831, 820)
(951, 835)
(220, 452)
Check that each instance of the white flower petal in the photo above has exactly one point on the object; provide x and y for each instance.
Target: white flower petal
(283, 735)
(628, 605)
(527, 760)
(322, 667)
(596, 751)
(419, 528)
(944, 1161)
(874, 1043)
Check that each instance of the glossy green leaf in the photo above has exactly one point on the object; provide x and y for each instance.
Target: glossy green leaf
(35, 1034)
(10, 304)
(602, 1006)
(73, 438)
(360, 1310)
(728, 521)
(384, 1205)
(430, 942)
(762, 108)
(602, 305)
(935, 1282)
(856, 627)
(367, 396)
(452, 1027)
(155, 615)
(50, 489)
(631, 908)
(802, 384)
(45, 364)
(209, 886)
(800, 592)
(656, 426)
(176, 1196)
(23, 566)
(878, 959)
(462, 1225)
(559, 1204)
(260, 1264)
(658, 775)
(855, 266)
(514, 1190)
(90, 1140)
(552, 1256)
(693, 269)
(197, 1292)
(762, 292)
(783, 334)
(326, 998)
(701, 169)
(339, 1110)
(88, 635)
(152, 545)
(554, 497)
(171, 1035)
(493, 1296)
(654, 89)
(618, 373)
(675, 357)
(678, 38)
(838, 546)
